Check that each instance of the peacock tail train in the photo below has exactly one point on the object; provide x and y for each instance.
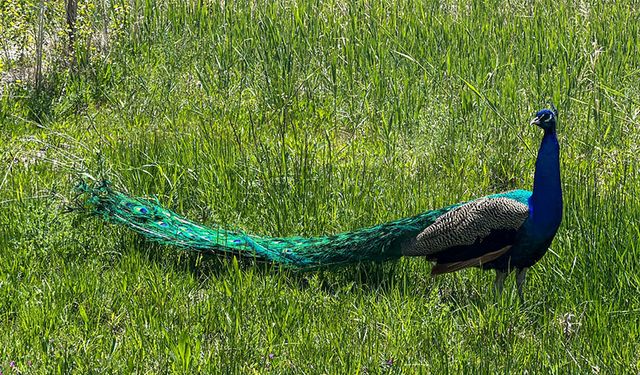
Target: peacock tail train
(158, 224)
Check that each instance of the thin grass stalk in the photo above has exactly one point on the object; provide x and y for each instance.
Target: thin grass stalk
(71, 13)
(39, 43)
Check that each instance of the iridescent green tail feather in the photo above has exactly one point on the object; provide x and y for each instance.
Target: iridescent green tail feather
(158, 224)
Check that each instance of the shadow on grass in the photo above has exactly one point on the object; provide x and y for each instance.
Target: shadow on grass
(391, 278)
(371, 277)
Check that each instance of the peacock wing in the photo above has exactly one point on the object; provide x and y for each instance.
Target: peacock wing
(473, 234)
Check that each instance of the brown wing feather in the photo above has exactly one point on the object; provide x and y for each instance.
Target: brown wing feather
(441, 268)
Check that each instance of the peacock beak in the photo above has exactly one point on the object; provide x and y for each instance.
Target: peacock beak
(535, 121)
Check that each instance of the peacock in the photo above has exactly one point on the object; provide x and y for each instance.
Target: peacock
(504, 232)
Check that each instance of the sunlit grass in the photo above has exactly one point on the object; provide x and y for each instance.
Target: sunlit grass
(308, 118)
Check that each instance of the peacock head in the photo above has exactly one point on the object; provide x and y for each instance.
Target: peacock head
(546, 118)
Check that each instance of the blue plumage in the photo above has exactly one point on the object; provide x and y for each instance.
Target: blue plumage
(545, 204)
(506, 231)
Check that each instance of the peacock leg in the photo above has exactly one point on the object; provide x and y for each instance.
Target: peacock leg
(520, 278)
(499, 283)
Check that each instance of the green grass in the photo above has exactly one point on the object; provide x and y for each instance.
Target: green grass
(309, 117)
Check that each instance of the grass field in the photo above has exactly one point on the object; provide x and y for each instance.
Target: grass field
(312, 117)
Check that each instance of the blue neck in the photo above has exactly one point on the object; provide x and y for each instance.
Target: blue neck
(545, 204)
